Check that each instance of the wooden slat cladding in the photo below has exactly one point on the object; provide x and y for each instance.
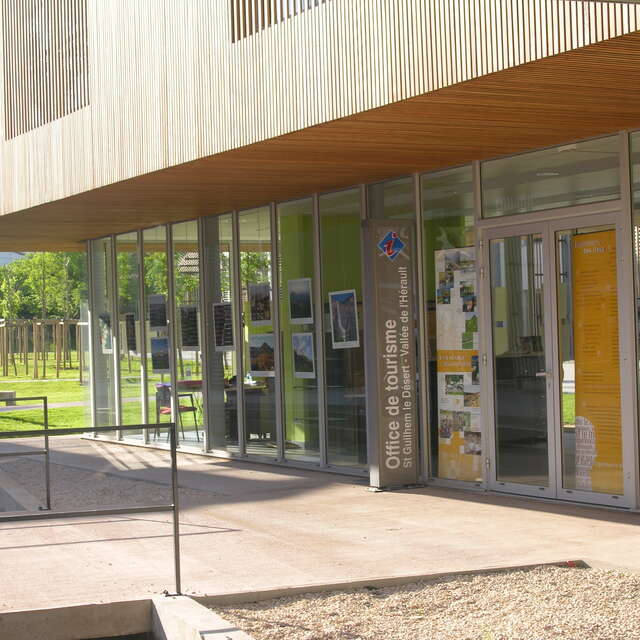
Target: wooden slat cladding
(44, 62)
(168, 86)
(251, 16)
(507, 112)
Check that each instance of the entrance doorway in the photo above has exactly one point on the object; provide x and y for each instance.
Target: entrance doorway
(555, 403)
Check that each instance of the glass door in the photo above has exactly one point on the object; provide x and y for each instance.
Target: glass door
(557, 397)
(589, 389)
(521, 363)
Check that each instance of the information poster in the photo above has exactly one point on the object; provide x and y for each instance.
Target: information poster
(598, 425)
(130, 328)
(458, 369)
(189, 327)
(223, 326)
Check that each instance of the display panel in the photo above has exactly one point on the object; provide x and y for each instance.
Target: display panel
(458, 379)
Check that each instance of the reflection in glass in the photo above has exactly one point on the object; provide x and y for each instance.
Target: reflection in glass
(297, 328)
(589, 360)
(393, 199)
(103, 340)
(222, 370)
(562, 176)
(448, 234)
(344, 358)
(156, 317)
(129, 319)
(258, 337)
(186, 283)
(517, 280)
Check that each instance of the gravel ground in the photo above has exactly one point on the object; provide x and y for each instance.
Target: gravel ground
(535, 604)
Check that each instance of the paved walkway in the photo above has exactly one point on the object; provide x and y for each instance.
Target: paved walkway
(249, 526)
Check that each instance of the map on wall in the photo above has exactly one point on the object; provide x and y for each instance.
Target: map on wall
(458, 369)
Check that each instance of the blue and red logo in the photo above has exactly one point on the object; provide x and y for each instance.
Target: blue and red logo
(391, 245)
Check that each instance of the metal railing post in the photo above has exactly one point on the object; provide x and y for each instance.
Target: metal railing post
(176, 508)
(47, 465)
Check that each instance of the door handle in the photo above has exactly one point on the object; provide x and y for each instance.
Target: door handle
(542, 374)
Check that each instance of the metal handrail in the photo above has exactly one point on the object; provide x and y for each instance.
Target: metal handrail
(173, 507)
(44, 452)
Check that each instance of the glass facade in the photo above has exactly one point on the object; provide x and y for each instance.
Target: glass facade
(452, 321)
(296, 265)
(158, 340)
(129, 314)
(258, 340)
(341, 262)
(187, 395)
(221, 356)
(563, 176)
(104, 372)
(247, 328)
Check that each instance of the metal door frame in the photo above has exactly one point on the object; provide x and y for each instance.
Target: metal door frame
(515, 230)
(548, 223)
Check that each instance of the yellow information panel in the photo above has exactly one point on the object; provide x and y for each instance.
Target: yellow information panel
(598, 426)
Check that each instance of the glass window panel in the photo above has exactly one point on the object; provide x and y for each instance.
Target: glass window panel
(563, 176)
(589, 360)
(517, 286)
(635, 185)
(156, 318)
(103, 363)
(258, 337)
(222, 365)
(392, 199)
(344, 338)
(186, 283)
(452, 324)
(129, 318)
(297, 328)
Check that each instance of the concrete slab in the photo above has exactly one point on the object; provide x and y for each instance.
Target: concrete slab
(253, 527)
(181, 618)
(78, 622)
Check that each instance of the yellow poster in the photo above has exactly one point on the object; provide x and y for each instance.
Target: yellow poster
(598, 425)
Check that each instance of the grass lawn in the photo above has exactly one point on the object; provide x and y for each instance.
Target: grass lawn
(32, 419)
(63, 389)
(568, 408)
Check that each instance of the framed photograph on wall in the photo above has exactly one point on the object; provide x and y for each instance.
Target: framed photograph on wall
(223, 326)
(260, 303)
(300, 301)
(343, 308)
(304, 361)
(262, 355)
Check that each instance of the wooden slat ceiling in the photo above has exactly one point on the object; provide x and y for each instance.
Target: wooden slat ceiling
(579, 94)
